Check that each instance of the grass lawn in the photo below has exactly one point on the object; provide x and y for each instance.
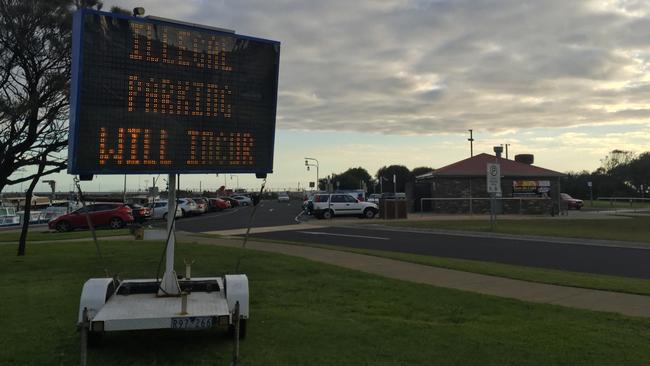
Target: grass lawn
(629, 229)
(303, 313)
(41, 233)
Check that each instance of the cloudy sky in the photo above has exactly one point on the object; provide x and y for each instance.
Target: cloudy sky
(372, 83)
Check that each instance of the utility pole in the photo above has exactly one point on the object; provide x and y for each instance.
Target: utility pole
(308, 164)
(471, 142)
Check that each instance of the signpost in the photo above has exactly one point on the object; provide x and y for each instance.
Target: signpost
(153, 95)
(591, 193)
(493, 188)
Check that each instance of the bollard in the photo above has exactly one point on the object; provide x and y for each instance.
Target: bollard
(188, 269)
(183, 303)
(84, 338)
(235, 351)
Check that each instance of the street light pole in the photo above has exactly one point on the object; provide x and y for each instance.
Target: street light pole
(308, 164)
(236, 176)
(471, 142)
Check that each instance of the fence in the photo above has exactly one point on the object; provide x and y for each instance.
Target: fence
(513, 205)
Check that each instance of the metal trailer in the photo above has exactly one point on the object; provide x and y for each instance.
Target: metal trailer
(108, 305)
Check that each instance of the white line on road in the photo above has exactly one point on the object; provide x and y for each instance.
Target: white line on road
(345, 235)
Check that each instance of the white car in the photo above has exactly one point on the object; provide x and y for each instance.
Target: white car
(159, 210)
(243, 200)
(339, 204)
(189, 207)
(283, 197)
(374, 198)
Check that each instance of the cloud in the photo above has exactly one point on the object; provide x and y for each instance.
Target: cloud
(438, 66)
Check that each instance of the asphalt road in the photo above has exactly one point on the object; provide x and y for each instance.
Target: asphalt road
(617, 261)
(269, 213)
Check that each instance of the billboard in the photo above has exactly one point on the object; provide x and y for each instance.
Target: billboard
(530, 188)
(150, 95)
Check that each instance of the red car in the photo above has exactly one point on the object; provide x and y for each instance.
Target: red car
(217, 204)
(570, 202)
(113, 215)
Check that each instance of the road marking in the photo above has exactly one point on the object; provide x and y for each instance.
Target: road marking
(344, 235)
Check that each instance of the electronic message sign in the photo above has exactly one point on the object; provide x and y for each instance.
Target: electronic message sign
(156, 96)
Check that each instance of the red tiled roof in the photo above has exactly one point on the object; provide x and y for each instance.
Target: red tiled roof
(477, 166)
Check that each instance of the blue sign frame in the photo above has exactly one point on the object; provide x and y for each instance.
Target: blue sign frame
(76, 80)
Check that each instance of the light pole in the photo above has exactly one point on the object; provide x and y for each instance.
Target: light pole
(236, 176)
(471, 142)
(308, 164)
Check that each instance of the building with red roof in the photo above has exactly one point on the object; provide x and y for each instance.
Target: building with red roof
(461, 187)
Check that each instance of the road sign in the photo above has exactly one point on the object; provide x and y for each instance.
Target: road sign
(155, 96)
(493, 178)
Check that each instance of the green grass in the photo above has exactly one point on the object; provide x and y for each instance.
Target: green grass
(303, 313)
(628, 229)
(42, 234)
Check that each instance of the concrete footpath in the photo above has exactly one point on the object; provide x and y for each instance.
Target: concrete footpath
(627, 304)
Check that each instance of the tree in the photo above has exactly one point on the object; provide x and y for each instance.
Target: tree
(385, 177)
(421, 170)
(34, 83)
(616, 158)
(353, 178)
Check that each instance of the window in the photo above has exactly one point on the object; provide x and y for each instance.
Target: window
(350, 199)
(321, 198)
(339, 198)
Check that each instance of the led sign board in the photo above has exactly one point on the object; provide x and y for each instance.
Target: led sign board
(155, 96)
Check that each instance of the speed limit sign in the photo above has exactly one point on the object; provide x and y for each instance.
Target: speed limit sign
(493, 178)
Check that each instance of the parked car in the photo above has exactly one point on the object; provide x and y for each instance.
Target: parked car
(243, 200)
(140, 213)
(160, 208)
(218, 204)
(570, 202)
(339, 204)
(233, 202)
(283, 197)
(188, 207)
(374, 198)
(113, 215)
(201, 204)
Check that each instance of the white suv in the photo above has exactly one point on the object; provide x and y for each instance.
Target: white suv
(338, 204)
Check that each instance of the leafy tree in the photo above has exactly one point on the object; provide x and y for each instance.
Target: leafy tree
(616, 158)
(421, 170)
(34, 83)
(353, 178)
(385, 177)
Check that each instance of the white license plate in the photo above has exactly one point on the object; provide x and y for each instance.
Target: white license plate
(196, 322)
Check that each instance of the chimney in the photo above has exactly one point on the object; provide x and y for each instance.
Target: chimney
(525, 158)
